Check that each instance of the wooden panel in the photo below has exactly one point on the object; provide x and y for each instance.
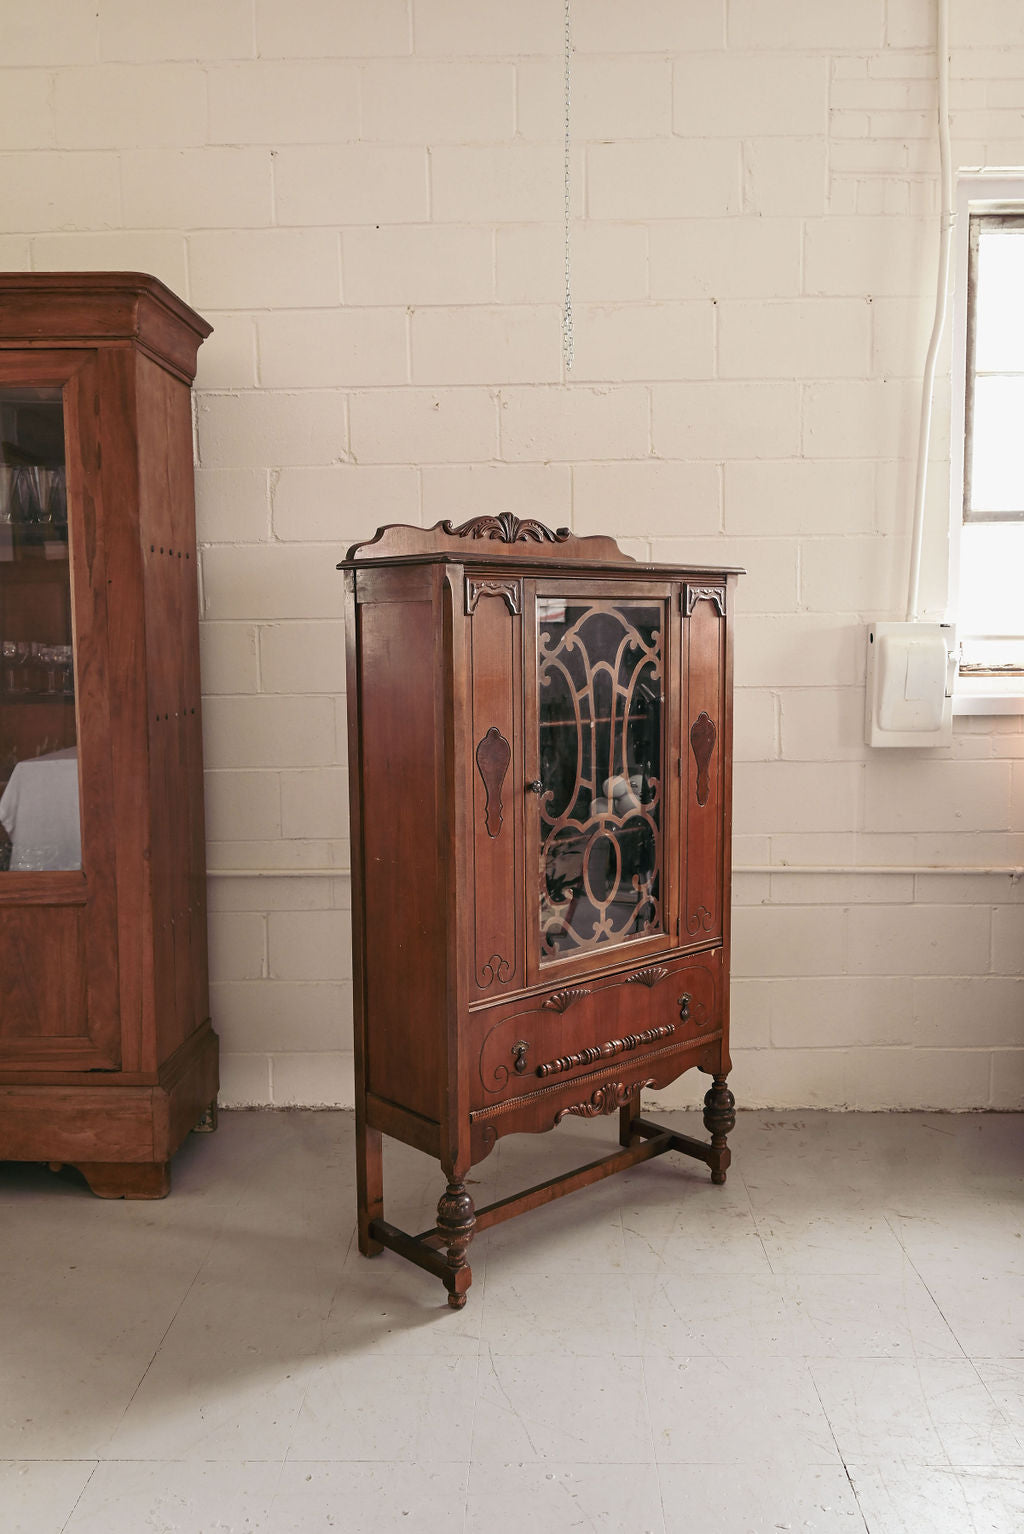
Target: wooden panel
(596, 1093)
(173, 717)
(404, 925)
(76, 1124)
(704, 755)
(43, 970)
(530, 1045)
(496, 777)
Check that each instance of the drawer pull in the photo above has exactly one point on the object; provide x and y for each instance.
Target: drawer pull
(519, 1049)
(647, 977)
(561, 1001)
(684, 1006)
(603, 1051)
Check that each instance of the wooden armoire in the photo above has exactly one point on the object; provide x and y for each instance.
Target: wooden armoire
(107, 1054)
(540, 768)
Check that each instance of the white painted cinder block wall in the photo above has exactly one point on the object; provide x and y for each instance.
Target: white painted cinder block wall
(364, 197)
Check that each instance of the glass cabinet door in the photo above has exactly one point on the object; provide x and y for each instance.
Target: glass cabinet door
(600, 784)
(39, 802)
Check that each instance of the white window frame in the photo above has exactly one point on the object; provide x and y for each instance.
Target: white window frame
(977, 192)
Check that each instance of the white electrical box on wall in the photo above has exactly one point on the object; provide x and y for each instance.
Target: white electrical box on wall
(909, 695)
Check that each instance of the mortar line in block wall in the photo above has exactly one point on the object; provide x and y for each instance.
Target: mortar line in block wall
(1007, 871)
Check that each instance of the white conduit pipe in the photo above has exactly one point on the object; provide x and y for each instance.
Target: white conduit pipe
(941, 297)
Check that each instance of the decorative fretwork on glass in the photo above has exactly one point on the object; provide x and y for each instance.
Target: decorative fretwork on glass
(600, 689)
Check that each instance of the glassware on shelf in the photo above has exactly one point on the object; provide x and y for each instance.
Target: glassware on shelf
(10, 658)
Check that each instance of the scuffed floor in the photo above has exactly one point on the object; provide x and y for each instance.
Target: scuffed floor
(834, 1341)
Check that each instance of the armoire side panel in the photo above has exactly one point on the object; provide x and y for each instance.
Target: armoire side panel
(174, 720)
(404, 923)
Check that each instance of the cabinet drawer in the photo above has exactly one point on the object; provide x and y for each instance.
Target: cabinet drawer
(599, 1024)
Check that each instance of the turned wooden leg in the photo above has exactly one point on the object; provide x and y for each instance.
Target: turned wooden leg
(719, 1120)
(456, 1220)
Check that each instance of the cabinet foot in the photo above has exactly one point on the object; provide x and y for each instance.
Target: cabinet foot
(456, 1221)
(719, 1121)
(127, 1179)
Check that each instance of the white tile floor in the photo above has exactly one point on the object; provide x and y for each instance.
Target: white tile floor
(834, 1341)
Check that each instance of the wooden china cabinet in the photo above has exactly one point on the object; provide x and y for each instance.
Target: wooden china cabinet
(107, 1055)
(540, 765)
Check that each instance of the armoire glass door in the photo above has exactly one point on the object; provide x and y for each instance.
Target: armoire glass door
(39, 803)
(600, 785)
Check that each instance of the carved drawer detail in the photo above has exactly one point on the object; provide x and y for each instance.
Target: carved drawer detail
(539, 1044)
(604, 1101)
(561, 1001)
(603, 1051)
(648, 977)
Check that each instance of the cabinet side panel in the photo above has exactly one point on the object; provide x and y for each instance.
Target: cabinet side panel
(174, 723)
(405, 923)
(704, 743)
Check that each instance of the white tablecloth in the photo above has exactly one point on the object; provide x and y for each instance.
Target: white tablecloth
(39, 811)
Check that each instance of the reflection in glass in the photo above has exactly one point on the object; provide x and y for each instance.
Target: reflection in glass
(600, 668)
(39, 812)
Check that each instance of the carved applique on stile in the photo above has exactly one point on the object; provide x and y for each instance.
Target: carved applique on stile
(702, 741)
(510, 591)
(493, 756)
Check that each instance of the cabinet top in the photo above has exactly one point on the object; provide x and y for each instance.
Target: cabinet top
(486, 539)
(72, 308)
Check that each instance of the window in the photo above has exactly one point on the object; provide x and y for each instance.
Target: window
(988, 438)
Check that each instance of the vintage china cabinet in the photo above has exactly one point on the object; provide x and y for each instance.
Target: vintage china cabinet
(107, 1056)
(540, 745)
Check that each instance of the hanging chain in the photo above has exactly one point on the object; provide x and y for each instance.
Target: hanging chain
(567, 337)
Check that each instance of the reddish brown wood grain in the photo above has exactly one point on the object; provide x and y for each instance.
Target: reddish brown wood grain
(120, 948)
(462, 1035)
(703, 771)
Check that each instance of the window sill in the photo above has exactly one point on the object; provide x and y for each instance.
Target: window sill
(989, 695)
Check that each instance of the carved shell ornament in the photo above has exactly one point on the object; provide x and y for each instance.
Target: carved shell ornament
(506, 528)
(605, 1100)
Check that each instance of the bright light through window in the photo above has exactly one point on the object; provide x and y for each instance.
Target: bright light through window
(990, 620)
(995, 383)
